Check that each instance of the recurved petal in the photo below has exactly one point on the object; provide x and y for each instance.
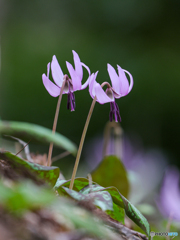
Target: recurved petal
(87, 68)
(48, 69)
(78, 66)
(114, 78)
(76, 80)
(57, 73)
(131, 80)
(124, 83)
(92, 81)
(101, 95)
(87, 81)
(52, 89)
(85, 84)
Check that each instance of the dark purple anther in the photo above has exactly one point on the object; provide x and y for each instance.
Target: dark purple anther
(114, 111)
(71, 101)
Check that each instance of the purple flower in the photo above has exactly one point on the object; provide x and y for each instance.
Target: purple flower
(169, 199)
(71, 85)
(120, 88)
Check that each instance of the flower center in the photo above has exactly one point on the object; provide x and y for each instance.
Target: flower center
(114, 110)
(109, 92)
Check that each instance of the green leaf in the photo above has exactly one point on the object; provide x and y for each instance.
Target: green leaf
(104, 201)
(64, 191)
(48, 174)
(82, 191)
(100, 199)
(131, 211)
(117, 213)
(29, 131)
(111, 172)
(120, 203)
(79, 183)
(94, 188)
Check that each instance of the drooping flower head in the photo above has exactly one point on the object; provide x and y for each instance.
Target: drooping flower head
(120, 88)
(71, 85)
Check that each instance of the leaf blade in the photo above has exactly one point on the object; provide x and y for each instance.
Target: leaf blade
(111, 172)
(35, 132)
(131, 211)
(48, 174)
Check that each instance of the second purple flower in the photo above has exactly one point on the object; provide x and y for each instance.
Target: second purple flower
(120, 88)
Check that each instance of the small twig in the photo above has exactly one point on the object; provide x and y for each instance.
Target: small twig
(123, 230)
(23, 147)
(172, 237)
(61, 155)
(139, 235)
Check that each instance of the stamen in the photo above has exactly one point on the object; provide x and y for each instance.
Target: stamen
(71, 99)
(114, 111)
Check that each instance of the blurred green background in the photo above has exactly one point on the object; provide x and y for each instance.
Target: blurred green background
(141, 36)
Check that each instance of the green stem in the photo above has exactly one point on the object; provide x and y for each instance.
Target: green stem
(55, 123)
(81, 143)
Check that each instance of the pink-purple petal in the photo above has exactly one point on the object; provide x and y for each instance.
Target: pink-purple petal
(57, 73)
(124, 87)
(116, 95)
(78, 66)
(87, 81)
(131, 80)
(87, 68)
(92, 79)
(76, 81)
(101, 95)
(48, 69)
(85, 84)
(52, 89)
(114, 78)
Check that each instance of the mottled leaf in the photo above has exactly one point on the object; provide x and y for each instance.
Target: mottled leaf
(131, 211)
(59, 182)
(100, 199)
(93, 188)
(117, 213)
(29, 131)
(111, 172)
(79, 183)
(104, 201)
(48, 174)
(64, 191)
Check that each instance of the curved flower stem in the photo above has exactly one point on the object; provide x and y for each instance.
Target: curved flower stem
(81, 143)
(55, 123)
